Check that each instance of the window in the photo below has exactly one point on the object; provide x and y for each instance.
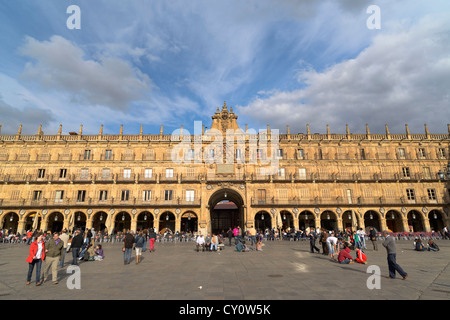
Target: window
(405, 171)
(125, 196)
(283, 195)
(41, 173)
(108, 154)
(302, 173)
(146, 195)
(431, 194)
(106, 173)
(189, 195)
(62, 173)
(279, 154)
(211, 154)
(37, 194)
(259, 153)
(190, 154)
(59, 195)
(148, 173)
(169, 173)
(168, 195)
(320, 154)
(421, 153)
(126, 173)
(281, 172)
(238, 154)
(87, 154)
(401, 153)
(261, 196)
(410, 195)
(362, 154)
(348, 193)
(300, 153)
(426, 173)
(15, 195)
(103, 195)
(441, 153)
(81, 195)
(84, 173)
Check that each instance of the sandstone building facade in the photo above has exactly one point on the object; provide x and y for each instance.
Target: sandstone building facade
(210, 180)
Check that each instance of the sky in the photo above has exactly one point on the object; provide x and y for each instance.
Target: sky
(142, 62)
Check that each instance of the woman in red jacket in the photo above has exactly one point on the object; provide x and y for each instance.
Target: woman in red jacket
(37, 255)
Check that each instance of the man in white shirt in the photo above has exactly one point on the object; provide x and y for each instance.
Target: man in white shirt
(332, 242)
(200, 243)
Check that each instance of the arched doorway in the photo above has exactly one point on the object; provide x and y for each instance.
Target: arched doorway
(80, 221)
(394, 221)
(415, 223)
(436, 221)
(167, 221)
(263, 221)
(328, 220)
(372, 219)
(189, 222)
(99, 221)
(122, 222)
(145, 221)
(33, 221)
(11, 222)
(55, 222)
(226, 210)
(306, 220)
(288, 220)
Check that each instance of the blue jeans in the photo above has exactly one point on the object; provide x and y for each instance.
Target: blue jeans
(213, 245)
(38, 263)
(63, 256)
(127, 255)
(75, 252)
(393, 266)
(346, 261)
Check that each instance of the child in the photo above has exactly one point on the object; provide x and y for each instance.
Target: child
(99, 256)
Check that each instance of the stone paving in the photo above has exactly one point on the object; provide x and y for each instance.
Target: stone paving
(284, 270)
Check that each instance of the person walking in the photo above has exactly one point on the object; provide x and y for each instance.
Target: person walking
(389, 244)
(65, 239)
(145, 235)
(35, 258)
(312, 242)
(151, 239)
(140, 242)
(53, 256)
(76, 244)
(128, 243)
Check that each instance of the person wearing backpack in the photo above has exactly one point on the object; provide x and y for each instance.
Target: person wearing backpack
(140, 241)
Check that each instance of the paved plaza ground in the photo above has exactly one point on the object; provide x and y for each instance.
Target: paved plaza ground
(284, 270)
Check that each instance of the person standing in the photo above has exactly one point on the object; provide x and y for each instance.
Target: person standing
(65, 239)
(230, 235)
(140, 242)
(389, 244)
(373, 238)
(53, 256)
(76, 244)
(151, 239)
(332, 245)
(35, 258)
(128, 243)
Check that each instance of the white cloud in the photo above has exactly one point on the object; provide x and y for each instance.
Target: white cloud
(402, 77)
(61, 65)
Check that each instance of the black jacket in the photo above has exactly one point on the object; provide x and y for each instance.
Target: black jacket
(77, 241)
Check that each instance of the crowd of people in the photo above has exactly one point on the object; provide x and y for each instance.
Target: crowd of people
(48, 250)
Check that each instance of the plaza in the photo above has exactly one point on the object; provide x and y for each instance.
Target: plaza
(284, 270)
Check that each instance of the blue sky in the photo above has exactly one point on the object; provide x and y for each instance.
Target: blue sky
(174, 62)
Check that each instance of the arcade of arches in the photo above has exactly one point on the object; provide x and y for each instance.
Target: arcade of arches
(227, 211)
